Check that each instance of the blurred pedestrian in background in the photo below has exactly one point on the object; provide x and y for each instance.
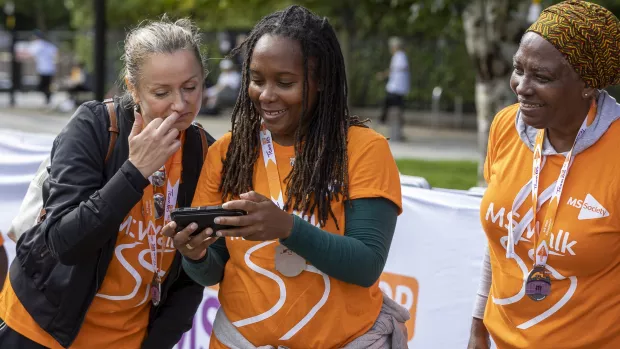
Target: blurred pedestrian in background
(45, 55)
(398, 80)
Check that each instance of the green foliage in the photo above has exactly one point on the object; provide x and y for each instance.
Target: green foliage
(41, 14)
(432, 30)
(209, 14)
(441, 174)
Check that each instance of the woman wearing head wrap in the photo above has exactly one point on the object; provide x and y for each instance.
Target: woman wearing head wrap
(555, 269)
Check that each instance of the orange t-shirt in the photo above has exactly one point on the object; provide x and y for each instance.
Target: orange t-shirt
(311, 310)
(118, 315)
(584, 244)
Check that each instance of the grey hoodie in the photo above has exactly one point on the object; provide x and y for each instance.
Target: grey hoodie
(608, 112)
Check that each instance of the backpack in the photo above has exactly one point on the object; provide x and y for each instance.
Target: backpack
(31, 211)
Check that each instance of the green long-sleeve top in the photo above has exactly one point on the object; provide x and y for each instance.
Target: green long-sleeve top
(357, 257)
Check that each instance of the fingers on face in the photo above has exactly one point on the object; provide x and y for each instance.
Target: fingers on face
(171, 134)
(166, 124)
(174, 146)
(154, 124)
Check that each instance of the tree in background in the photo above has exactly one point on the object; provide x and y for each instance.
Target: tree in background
(493, 29)
(440, 33)
(492, 32)
(40, 14)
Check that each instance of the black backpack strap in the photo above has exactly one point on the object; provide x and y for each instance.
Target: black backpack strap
(205, 146)
(205, 137)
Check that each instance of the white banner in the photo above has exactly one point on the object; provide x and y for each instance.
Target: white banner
(433, 267)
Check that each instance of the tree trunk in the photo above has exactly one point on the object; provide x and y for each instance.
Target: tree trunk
(346, 37)
(491, 97)
(345, 46)
(39, 13)
(491, 37)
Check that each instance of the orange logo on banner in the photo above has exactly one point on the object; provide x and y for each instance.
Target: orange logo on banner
(404, 291)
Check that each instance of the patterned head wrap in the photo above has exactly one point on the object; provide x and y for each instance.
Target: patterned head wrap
(588, 35)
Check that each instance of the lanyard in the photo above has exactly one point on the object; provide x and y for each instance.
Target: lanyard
(271, 165)
(171, 193)
(287, 262)
(541, 251)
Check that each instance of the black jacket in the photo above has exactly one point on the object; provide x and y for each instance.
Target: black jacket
(60, 264)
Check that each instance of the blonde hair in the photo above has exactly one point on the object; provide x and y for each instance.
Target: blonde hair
(161, 36)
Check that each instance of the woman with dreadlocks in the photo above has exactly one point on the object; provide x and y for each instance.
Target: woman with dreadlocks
(322, 193)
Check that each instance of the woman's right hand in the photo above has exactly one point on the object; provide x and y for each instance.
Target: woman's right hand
(192, 247)
(149, 148)
(478, 335)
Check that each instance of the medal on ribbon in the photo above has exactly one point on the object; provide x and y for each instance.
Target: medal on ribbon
(156, 290)
(538, 283)
(287, 262)
(156, 210)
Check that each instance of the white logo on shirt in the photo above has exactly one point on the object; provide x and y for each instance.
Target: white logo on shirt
(590, 208)
(282, 287)
(559, 244)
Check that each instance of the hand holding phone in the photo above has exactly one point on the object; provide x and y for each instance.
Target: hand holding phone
(203, 217)
(189, 242)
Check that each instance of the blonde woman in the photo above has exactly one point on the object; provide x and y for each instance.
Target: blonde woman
(97, 273)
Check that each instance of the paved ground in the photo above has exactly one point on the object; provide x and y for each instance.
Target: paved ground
(31, 115)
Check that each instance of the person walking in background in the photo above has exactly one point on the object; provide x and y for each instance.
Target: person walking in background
(45, 55)
(398, 83)
(553, 268)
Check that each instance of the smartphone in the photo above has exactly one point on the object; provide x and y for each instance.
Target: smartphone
(203, 216)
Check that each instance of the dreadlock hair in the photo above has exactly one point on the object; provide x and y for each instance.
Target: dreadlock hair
(320, 174)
